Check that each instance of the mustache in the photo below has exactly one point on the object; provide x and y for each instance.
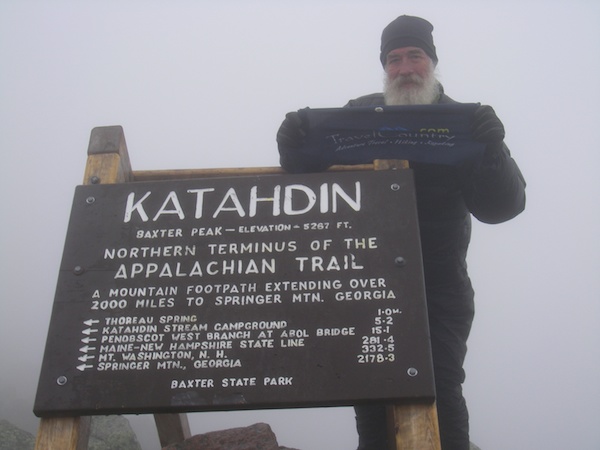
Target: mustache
(401, 80)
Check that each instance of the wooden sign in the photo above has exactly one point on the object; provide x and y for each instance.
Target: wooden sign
(239, 293)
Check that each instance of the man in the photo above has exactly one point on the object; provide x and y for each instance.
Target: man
(492, 189)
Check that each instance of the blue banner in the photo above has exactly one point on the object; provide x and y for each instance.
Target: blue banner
(436, 134)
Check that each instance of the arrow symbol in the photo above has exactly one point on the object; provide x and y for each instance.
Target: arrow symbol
(86, 349)
(87, 340)
(82, 367)
(91, 322)
(88, 331)
(84, 358)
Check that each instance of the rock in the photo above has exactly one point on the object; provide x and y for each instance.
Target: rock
(106, 433)
(112, 432)
(13, 438)
(115, 433)
(255, 437)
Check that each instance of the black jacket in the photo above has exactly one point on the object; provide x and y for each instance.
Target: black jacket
(493, 190)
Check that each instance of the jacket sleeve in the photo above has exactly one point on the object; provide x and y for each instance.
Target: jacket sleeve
(494, 190)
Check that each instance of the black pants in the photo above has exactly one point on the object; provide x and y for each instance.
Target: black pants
(450, 319)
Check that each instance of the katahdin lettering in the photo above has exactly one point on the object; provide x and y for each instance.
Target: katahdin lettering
(296, 199)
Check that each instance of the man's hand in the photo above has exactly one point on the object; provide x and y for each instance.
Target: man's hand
(290, 142)
(291, 133)
(486, 125)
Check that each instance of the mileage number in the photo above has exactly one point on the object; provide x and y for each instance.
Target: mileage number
(371, 358)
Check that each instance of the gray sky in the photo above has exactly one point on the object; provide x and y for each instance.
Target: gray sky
(200, 84)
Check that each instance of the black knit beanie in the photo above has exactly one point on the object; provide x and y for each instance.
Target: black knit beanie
(408, 31)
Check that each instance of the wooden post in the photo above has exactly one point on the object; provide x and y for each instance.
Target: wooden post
(415, 425)
(390, 164)
(108, 159)
(172, 428)
(63, 433)
(107, 163)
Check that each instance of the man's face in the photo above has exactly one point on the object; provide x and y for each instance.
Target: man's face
(409, 78)
(407, 61)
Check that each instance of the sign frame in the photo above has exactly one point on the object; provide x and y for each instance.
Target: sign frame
(410, 424)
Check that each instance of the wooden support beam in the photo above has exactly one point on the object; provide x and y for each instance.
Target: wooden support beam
(107, 163)
(63, 433)
(182, 174)
(108, 160)
(172, 428)
(390, 164)
(413, 426)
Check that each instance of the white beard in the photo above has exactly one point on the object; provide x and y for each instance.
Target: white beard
(425, 92)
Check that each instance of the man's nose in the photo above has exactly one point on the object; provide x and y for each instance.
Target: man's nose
(406, 68)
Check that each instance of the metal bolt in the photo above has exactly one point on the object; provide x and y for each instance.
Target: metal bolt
(412, 372)
(400, 261)
(94, 179)
(395, 187)
(61, 381)
(90, 200)
(78, 270)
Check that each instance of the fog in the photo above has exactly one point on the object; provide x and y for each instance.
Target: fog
(198, 84)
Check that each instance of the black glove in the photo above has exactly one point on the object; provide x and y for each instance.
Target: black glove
(486, 125)
(290, 139)
(291, 133)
